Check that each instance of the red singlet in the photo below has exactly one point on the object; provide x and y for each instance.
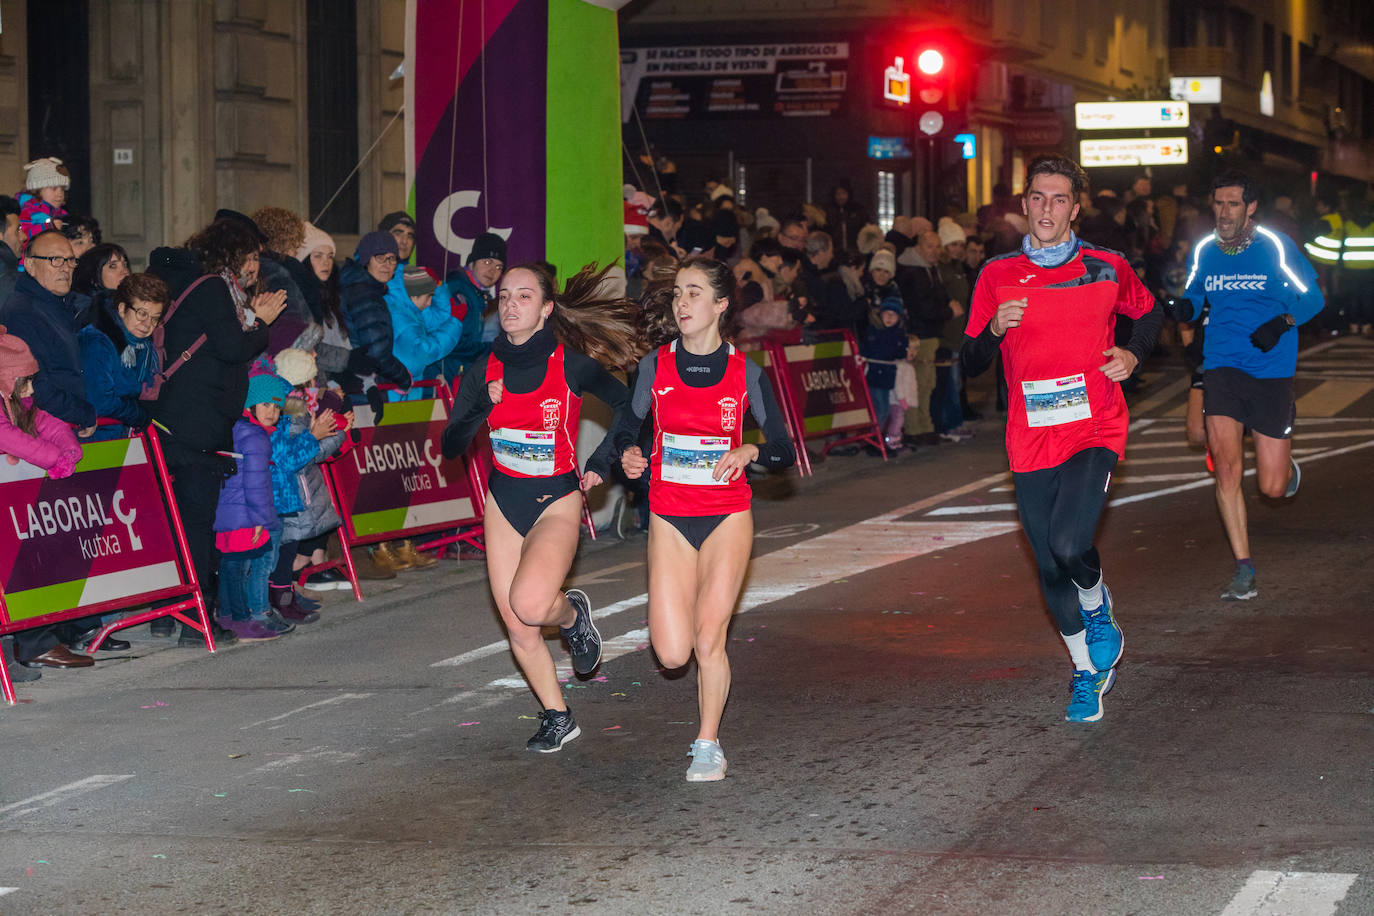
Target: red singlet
(535, 434)
(693, 428)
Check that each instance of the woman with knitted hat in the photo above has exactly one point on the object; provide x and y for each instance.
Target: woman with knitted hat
(552, 349)
(46, 181)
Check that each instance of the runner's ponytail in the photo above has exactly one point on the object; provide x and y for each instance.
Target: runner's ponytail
(589, 317)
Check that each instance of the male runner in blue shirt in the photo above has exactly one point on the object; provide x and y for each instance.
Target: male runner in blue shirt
(1261, 289)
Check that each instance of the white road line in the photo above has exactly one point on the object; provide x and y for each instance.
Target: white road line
(341, 698)
(1290, 893)
(975, 510)
(7, 890)
(61, 794)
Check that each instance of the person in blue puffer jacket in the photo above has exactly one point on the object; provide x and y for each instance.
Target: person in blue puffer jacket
(425, 332)
(118, 358)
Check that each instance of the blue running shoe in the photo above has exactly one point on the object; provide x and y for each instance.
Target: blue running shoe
(1085, 695)
(1105, 642)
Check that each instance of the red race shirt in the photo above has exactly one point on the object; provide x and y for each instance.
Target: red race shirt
(535, 434)
(693, 428)
(1059, 402)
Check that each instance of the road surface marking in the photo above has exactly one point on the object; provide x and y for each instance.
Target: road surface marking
(7, 890)
(1290, 893)
(343, 697)
(61, 794)
(320, 754)
(602, 575)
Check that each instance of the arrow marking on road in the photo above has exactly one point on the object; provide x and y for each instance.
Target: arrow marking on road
(61, 794)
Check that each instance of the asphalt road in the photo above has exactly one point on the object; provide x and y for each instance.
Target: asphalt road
(895, 733)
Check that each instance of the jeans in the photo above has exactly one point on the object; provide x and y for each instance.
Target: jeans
(243, 580)
(946, 408)
(882, 398)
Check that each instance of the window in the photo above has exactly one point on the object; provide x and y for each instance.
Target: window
(1267, 50)
(331, 38)
(887, 199)
(1287, 88)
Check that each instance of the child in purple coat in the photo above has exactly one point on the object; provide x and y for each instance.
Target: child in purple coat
(248, 531)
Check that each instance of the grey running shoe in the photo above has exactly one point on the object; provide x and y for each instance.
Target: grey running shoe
(583, 638)
(1242, 587)
(1294, 479)
(556, 728)
(708, 761)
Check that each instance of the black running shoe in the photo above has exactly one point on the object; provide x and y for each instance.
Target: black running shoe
(556, 728)
(583, 638)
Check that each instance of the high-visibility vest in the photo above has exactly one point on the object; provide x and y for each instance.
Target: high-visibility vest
(1325, 249)
(1358, 251)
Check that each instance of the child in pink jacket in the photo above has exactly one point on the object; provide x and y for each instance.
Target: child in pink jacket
(27, 432)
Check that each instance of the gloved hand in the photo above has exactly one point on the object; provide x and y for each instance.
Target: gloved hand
(1267, 335)
(1180, 309)
(360, 363)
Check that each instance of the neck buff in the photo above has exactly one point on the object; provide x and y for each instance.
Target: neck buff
(1053, 256)
(1242, 241)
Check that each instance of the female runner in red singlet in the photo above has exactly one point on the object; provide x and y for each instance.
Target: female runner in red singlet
(701, 529)
(528, 391)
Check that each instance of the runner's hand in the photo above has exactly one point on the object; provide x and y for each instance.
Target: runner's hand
(590, 479)
(495, 390)
(268, 306)
(1266, 336)
(633, 462)
(733, 462)
(1120, 366)
(1009, 315)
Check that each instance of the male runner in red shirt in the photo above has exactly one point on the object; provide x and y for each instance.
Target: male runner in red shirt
(1051, 309)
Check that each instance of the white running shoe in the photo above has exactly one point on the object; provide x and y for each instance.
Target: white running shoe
(708, 761)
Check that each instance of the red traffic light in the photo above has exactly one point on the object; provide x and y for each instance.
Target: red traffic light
(930, 62)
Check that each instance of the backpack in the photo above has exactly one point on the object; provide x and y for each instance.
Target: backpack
(154, 386)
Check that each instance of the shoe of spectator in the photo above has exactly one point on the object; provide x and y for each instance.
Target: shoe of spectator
(109, 644)
(309, 604)
(366, 566)
(387, 558)
(844, 451)
(293, 612)
(274, 621)
(59, 656)
(893, 443)
(18, 673)
(251, 629)
(415, 559)
(326, 580)
(194, 639)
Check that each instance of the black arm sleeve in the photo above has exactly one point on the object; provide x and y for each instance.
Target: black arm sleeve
(777, 451)
(471, 406)
(978, 353)
(630, 418)
(1145, 333)
(586, 376)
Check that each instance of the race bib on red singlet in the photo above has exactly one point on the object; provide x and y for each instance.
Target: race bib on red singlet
(692, 459)
(524, 451)
(1051, 402)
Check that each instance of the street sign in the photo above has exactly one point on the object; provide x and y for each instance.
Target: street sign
(968, 145)
(888, 148)
(1133, 151)
(1198, 89)
(1130, 115)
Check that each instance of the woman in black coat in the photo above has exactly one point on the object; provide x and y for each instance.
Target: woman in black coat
(199, 404)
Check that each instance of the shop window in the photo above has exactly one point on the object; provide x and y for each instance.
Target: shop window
(887, 199)
(331, 42)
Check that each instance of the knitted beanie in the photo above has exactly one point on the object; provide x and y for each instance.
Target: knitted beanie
(315, 239)
(950, 231)
(394, 219)
(267, 389)
(488, 245)
(16, 361)
(419, 281)
(296, 366)
(883, 260)
(373, 244)
(47, 172)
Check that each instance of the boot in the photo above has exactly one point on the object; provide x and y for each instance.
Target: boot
(413, 558)
(18, 673)
(369, 566)
(284, 600)
(385, 555)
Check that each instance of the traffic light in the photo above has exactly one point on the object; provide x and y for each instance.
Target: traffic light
(936, 91)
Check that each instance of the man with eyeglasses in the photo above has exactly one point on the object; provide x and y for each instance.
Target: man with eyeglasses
(792, 234)
(38, 313)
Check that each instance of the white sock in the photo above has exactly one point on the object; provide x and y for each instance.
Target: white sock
(1078, 651)
(1090, 599)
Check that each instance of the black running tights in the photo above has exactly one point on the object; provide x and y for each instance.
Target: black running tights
(1060, 508)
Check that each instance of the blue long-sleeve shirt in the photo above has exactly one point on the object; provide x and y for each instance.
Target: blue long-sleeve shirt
(1269, 278)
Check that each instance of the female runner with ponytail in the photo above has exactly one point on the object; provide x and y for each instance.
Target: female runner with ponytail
(701, 530)
(529, 390)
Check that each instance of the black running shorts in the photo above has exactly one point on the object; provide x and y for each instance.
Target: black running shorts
(1263, 405)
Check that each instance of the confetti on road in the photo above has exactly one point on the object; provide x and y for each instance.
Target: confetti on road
(236, 756)
(154, 705)
(527, 717)
(616, 695)
(221, 794)
(611, 728)
(466, 724)
(301, 790)
(1150, 878)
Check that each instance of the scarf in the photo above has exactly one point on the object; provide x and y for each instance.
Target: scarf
(1054, 255)
(238, 295)
(136, 349)
(1242, 242)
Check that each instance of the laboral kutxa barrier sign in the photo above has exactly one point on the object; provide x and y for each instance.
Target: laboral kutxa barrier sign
(100, 535)
(396, 481)
(825, 386)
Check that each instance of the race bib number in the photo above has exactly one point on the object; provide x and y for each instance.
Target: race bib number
(1050, 402)
(523, 451)
(691, 459)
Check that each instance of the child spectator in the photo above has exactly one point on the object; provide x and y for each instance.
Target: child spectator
(43, 205)
(305, 532)
(27, 432)
(423, 335)
(118, 357)
(246, 523)
(884, 346)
